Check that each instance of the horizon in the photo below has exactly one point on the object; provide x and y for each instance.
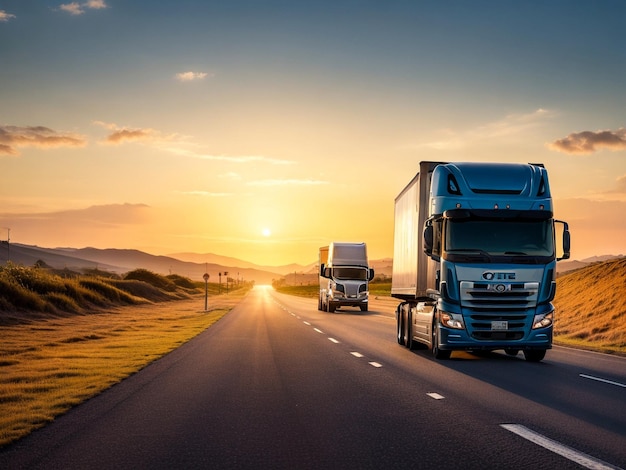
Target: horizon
(264, 132)
(588, 259)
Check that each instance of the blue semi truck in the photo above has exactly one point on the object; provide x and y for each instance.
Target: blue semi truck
(475, 251)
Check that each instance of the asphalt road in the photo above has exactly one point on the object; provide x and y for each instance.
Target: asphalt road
(277, 384)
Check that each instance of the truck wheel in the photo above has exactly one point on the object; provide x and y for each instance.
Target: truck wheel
(331, 307)
(511, 352)
(319, 302)
(534, 355)
(438, 353)
(410, 344)
(399, 325)
(363, 307)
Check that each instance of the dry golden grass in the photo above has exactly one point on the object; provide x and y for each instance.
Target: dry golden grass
(591, 307)
(48, 366)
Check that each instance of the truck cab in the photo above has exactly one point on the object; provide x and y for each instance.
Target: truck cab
(490, 246)
(344, 276)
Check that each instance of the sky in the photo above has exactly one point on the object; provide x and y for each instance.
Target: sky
(264, 130)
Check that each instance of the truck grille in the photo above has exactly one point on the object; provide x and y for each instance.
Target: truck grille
(353, 290)
(485, 303)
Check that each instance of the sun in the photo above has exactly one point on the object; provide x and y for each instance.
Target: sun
(266, 232)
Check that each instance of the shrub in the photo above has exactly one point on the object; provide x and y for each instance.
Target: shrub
(158, 281)
(34, 279)
(107, 291)
(62, 302)
(20, 297)
(141, 289)
(181, 281)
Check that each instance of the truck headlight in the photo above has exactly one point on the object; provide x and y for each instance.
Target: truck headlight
(543, 320)
(451, 320)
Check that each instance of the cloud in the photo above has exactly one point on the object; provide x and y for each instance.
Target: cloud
(132, 135)
(4, 16)
(228, 158)
(96, 4)
(205, 193)
(76, 8)
(511, 124)
(287, 182)
(120, 135)
(99, 215)
(98, 225)
(176, 144)
(588, 142)
(12, 137)
(191, 76)
(231, 175)
(621, 184)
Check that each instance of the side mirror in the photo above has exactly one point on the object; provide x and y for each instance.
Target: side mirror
(370, 276)
(327, 272)
(428, 238)
(322, 266)
(563, 251)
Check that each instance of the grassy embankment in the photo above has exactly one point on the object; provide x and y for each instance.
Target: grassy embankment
(66, 339)
(590, 306)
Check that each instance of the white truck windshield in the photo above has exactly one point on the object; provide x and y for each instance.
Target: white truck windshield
(358, 274)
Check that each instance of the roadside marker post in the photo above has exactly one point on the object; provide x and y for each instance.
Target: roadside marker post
(206, 291)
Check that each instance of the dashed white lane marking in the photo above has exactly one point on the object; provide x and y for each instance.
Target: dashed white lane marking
(436, 396)
(591, 377)
(580, 458)
(333, 340)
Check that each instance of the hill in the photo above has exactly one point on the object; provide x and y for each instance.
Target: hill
(238, 263)
(591, 306)
(121, 261)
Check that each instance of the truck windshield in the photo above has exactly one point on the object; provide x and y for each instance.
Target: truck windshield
(500, 237)
(359, 274)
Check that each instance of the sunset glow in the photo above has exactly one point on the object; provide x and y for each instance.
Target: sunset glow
(263, 132)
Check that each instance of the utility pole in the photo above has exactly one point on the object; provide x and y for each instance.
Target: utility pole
(8, 244)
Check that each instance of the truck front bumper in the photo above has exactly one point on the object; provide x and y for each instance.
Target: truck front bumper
(348, 302)
(455, 340)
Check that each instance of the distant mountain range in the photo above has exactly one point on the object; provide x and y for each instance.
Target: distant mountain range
(191, 265)
(121, 261)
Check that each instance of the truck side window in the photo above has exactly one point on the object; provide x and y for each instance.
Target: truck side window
(437, 226)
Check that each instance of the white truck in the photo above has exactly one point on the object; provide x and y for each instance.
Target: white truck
(344, 275)
(475, 251)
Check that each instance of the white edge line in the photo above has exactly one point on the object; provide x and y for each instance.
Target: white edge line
(436, 396)
(591, 377)
(580, 458)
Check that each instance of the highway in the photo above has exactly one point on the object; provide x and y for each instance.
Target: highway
(277, 384)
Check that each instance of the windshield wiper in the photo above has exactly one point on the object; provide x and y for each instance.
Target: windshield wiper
(470, 252)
